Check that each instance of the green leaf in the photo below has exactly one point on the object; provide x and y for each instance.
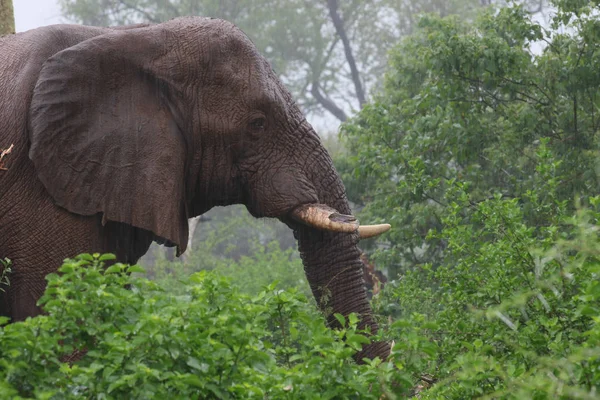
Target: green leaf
(114, 269)
(107, 257)
(135, 268)
(194, 363)
(340, 318)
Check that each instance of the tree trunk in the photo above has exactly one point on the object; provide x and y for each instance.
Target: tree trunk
(338, 23)
(170, 254)
(192, 224)
(7, 17)
(327, 103)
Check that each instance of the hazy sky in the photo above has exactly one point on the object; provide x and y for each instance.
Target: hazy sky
(31, 14)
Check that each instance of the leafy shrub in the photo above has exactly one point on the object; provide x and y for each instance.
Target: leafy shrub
(210, 342)
(514, 317)
(264, 265)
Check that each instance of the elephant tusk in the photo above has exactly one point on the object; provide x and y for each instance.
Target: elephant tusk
(368, 231)
(325, 218)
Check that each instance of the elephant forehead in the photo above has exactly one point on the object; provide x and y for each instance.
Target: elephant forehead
(222, 59)
(219, 41)
(240, 67)
(237, 83)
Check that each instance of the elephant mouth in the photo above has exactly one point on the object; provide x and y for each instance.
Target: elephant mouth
(323, 217)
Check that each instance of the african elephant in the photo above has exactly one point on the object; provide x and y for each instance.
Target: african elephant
(121, 135)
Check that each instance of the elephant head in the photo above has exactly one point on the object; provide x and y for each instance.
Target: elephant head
(153, 125)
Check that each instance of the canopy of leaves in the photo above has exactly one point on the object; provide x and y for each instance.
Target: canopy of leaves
(473, 104)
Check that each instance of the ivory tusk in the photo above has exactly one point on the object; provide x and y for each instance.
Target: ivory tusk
(325, 218)
(367, 231)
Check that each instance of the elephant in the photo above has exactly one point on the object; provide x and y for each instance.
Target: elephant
(119, 135)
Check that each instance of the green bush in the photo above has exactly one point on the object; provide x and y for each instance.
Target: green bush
(513, 317)
(516, 319)
(210, 342)
(264, 265)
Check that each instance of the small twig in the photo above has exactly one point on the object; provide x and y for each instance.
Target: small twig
(429, 379)
(4, 153)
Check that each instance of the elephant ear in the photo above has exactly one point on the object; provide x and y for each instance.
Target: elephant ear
(104, 135)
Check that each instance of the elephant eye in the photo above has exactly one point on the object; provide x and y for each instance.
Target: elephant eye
(258, 124)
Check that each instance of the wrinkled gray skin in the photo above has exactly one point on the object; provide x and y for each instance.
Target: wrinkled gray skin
(123, 134)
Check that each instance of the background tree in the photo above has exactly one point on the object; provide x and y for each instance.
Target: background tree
(473, 104)
(7, 17)
(331, 54)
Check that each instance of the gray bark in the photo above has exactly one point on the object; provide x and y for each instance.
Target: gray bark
(192, 224)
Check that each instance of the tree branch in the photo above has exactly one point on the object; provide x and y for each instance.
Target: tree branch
(339, 27)
(327, 103)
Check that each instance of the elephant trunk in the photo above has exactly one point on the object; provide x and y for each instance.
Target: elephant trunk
(333, 266)
(334, 272)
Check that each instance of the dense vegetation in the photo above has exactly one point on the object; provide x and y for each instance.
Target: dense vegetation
(143, 341)
(482, 149)
(484, 144)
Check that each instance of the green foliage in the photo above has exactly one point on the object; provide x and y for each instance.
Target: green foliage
(253, 253)
(210, 342)
(509, 317)
(475, 152)
(538, 338)
(264, 265)
(472, 104)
